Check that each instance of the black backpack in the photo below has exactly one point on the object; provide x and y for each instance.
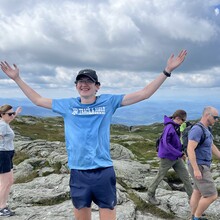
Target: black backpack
(158, 142)
(186, 132)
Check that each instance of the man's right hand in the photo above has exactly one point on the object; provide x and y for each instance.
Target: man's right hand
(197, 174)
(12, 73)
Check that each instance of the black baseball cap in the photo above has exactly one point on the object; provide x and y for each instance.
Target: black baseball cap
(89, 73)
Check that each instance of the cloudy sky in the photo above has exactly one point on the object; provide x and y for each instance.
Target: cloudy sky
(126, 41)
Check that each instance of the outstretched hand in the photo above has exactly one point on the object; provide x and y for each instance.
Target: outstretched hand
(12, 73)
(173, 62)
(18, 110)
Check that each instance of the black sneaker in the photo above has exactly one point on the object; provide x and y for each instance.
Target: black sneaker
(6, 212)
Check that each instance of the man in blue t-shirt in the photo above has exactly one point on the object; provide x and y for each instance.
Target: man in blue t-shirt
(200, 158)
(87, 134)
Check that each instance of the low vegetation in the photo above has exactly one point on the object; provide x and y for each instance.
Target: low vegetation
(50, 129)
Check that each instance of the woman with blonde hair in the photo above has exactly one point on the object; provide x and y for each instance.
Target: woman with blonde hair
(7, 114)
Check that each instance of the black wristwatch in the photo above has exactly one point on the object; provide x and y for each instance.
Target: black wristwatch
(166, 73)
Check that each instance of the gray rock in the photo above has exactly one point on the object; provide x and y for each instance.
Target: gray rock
(47, 197)
(118, 152)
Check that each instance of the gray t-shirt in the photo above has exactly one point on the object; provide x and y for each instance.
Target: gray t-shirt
(6, 137)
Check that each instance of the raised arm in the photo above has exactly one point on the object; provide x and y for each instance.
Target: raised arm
(13, 73)
(18, 110)
(172, 63)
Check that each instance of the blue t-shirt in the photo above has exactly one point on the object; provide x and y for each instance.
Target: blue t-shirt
(87, 130)
(204, 151)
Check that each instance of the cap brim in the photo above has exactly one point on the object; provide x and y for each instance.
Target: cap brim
(81, 75)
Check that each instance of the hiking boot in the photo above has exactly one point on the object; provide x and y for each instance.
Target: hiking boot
(6, 212)
(151, 199)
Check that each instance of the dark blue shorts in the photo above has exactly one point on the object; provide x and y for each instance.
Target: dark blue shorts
(97, 185)
(6, 163)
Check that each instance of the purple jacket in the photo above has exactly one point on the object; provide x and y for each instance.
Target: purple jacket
(170, 146)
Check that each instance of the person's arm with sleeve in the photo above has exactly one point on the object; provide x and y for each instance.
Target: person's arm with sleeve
(172, 63)
(192, 158)
(13, 73)
(170, 134)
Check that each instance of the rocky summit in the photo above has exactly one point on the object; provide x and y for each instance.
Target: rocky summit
(41, 189)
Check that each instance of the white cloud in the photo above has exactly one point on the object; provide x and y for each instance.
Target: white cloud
(128, 41)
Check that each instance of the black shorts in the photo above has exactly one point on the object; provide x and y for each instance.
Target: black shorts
(6, 163)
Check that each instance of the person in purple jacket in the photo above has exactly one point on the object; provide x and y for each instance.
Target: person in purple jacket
(171, 155)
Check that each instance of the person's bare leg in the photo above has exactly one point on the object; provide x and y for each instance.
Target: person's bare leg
(82, 214)
(204, 204)
(107, 214)
(194, 201)
(6, 181)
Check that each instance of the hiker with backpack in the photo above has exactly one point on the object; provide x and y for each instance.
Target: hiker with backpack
(185, 133)
(200, 159)
(171, 155)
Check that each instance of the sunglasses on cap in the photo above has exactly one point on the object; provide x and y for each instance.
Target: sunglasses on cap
(9, 113)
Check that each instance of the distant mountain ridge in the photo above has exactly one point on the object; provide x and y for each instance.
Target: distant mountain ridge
(143, 113)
